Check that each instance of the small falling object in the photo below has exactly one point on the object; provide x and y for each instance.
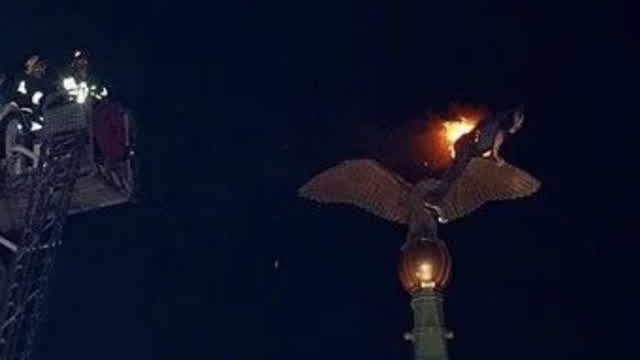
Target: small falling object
(276, 264)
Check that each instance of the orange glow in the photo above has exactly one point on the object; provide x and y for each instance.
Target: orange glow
(434, 142)
(453, 130)
(425, 275)
(424, 264)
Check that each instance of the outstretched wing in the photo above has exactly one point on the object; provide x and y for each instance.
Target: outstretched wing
(363, 183)
(483, 180)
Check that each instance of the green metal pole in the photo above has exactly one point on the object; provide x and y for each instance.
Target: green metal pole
(429, 335)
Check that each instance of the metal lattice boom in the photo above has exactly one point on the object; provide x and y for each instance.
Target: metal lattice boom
(69, 177)
(51, 185)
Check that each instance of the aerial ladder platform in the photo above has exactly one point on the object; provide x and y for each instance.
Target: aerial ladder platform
(66, 176)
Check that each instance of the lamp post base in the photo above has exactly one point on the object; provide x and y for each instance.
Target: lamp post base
(429, 335)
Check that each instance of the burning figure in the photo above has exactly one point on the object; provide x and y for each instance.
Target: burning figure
(483, 140)
(491, 133)
(488, 132)
(469, 182)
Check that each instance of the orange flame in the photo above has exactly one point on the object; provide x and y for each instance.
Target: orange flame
(435, 142)
(453, 130)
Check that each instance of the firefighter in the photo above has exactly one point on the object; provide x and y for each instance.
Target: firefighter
(28, 91)
(79, 83)
(31, 87)
(80, 65)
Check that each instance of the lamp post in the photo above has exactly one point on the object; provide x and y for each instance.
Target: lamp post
(468, 183)
(424, 271)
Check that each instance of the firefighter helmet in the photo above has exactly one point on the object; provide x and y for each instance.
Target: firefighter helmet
(35, 65)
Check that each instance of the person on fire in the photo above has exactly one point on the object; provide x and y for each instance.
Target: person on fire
(484, 140)
(490, 133)
(78, 81)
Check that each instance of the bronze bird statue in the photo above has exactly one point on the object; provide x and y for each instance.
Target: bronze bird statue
(472, 180)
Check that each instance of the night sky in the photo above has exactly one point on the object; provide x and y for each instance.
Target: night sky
(239, 104)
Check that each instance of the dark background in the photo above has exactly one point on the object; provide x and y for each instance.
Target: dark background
(240, 104)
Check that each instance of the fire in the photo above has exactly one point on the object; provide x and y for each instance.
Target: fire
(434, 143)
(454, 129)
